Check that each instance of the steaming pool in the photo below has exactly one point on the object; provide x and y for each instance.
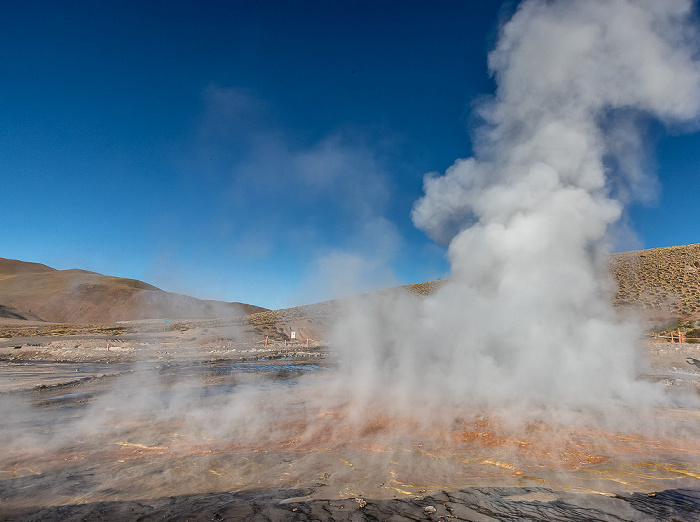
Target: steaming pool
(258, 439)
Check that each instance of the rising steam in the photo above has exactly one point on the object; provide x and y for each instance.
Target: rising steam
(524, 328)
(527, 319)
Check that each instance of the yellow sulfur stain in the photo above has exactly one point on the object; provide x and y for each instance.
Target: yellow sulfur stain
(576, 489)
(140, 446)
(681, 472)
(414, 486)
(398, 490)
(346, 462)
(498, 463)
(18, 472)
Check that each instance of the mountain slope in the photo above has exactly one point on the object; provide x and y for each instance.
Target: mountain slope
(663, 280)
(33, 290)
(659, 281)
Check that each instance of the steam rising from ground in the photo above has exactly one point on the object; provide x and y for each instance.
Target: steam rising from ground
(527, 319)
(525, 326)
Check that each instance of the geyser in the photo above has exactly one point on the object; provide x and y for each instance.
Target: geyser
(475, 385)
(527, 319)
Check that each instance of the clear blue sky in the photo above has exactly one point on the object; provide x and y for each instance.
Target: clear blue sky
(267, 152)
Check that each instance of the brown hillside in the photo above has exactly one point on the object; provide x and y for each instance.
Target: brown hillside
(660, 281)
(665, 281)
(33, 290)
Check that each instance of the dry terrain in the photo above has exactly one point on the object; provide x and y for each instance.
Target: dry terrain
(663, 285)
(217, 418)
(132, 425)
(37, 292)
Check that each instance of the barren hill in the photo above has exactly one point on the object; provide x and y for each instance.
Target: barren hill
(664, 281)
(35, 291)
(659, 281)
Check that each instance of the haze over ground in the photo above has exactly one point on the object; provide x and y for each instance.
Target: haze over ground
(259, 153)
(515, 371)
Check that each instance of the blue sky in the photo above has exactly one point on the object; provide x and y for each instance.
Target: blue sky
(267, 152)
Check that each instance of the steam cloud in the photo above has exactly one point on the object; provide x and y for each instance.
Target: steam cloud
(525, 326)
(527, 319)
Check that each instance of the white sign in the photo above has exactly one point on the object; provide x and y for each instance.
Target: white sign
(294, 335)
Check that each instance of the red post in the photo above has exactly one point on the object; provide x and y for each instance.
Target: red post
(266, 339)
(307, 342)
(680, 336)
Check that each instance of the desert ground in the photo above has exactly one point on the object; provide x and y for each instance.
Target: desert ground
(220, 419)
(152, 466)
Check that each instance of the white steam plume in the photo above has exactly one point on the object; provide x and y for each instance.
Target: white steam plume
(527, 318)
(525, 326)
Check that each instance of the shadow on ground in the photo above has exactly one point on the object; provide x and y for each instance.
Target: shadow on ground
(474, 504)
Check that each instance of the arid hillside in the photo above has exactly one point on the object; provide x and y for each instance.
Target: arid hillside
(664, 281)
(38, 292)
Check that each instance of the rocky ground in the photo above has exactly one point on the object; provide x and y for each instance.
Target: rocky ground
(473, 504)
(128, 341)
(207, 479)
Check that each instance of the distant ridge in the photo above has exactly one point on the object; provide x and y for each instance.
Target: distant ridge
(665, 281)
(10, 312)
(38, 292)
(662, 282)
